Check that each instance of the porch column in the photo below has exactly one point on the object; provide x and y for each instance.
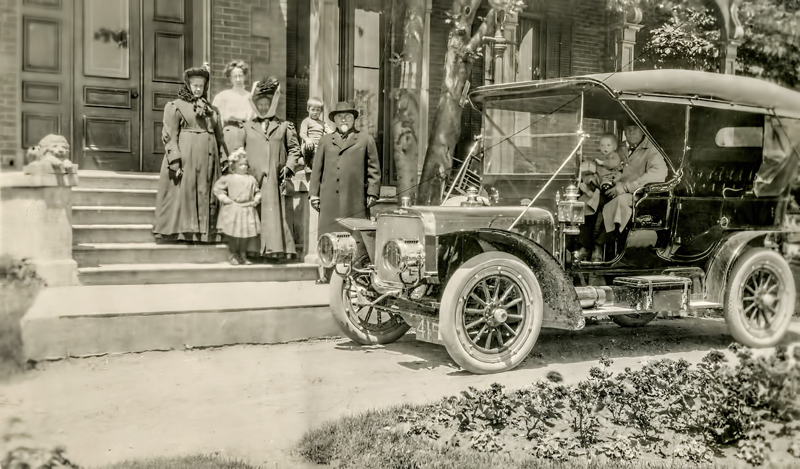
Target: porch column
(727, 56)
(625, 46)
(511, 50)
(625, 38)
(424, 95)
(731, 33)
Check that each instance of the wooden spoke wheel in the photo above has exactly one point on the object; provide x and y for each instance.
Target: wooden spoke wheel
(491, 313)
(759, 298)
(363, 324)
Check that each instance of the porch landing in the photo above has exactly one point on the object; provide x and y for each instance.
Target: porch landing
(94, 320)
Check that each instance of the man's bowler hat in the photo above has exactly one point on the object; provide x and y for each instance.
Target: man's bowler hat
(344, 106)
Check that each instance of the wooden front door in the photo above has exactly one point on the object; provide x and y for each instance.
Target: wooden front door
(129, 61)
(107, 84)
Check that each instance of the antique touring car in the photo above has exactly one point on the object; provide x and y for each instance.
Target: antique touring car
(483, 275)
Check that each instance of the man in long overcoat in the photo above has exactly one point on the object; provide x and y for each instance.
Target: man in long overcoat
(346, 178)
(643, 165)
(273, 152)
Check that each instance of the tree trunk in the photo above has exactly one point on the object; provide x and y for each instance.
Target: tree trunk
(405, 122)
(461, 49)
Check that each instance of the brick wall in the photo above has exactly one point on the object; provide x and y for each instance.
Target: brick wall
(9, 77)
(590, 37)
(232, 39)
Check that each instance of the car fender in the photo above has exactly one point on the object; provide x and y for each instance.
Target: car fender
(562, 309)
(721, 262)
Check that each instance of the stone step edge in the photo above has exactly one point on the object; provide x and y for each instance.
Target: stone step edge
(100, 174)
(113, 208)
(114, 190)
(111, 268)
(143, 246)
(113, 227)
(193, 311)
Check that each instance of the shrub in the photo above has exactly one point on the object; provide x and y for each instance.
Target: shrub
(19, 285)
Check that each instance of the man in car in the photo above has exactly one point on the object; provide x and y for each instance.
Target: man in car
(644, 164)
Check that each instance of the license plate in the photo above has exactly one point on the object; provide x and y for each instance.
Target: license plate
(428, 331)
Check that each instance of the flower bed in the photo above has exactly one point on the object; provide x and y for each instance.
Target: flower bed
(743, 411)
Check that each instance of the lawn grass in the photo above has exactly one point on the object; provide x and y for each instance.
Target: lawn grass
(371, 440)
(183, 462)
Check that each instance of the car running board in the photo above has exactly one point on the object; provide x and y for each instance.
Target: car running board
(639, 294)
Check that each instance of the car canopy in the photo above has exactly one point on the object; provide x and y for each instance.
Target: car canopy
(781, 107)
(697, 88)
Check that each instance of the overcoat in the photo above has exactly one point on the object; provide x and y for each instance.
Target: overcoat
(268, 152)
(186, 206)
(643, 166)
(345, 172)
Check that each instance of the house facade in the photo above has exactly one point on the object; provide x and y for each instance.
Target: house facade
(101, 71)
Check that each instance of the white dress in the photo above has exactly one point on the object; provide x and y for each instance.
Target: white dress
(235, 109)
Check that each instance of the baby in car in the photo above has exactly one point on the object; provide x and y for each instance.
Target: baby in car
(608, 169)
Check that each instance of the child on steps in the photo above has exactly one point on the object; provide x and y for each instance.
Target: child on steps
(238, 219)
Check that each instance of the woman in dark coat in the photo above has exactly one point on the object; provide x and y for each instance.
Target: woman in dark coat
(195, 155)
(346, 178)
(274, 155)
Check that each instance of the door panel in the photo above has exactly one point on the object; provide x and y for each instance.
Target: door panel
(167, 45)
(107, 84)
(46, 76)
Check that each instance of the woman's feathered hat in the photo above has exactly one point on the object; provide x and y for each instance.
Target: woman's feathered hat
(266, 87)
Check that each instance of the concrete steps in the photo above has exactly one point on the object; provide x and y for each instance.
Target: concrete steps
(94, 320)
(99, 215)
(144, 274)
(88, 196)
(113, 240)
(87, 234)
(97, 254)
(112, 180)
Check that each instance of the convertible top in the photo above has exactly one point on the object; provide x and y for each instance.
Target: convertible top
(698, 87)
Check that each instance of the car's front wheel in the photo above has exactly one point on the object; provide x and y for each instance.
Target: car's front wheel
(363, 324)
(759, 298)
(491, 313)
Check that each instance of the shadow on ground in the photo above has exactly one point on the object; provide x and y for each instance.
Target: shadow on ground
(660, 337)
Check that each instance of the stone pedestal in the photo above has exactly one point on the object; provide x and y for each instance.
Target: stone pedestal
(304, 219)
(35, 223)
(625, 44)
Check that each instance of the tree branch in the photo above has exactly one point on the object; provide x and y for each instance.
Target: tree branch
(487, 28)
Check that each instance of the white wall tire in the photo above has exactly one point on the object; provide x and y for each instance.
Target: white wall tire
(362, 325)
(491, 313)
(759, 298)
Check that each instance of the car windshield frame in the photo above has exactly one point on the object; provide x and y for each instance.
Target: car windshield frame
(504, 138)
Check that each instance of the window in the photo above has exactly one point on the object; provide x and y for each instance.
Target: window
(740, 137)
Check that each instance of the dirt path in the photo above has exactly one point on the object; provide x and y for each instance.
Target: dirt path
(254, 402)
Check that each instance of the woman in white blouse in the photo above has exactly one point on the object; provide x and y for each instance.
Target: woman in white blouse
(234, 105)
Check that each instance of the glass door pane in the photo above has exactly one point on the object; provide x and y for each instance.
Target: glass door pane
(106, 26)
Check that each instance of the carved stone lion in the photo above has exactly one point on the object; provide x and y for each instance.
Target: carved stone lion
(50, 156)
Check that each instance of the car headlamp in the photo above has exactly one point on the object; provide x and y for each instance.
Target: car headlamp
(401, 254)
(334, 248)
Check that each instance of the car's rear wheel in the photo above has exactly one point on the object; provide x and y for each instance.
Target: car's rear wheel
(491, 313)
(759, 298)
(633, 320)
(365, 325)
